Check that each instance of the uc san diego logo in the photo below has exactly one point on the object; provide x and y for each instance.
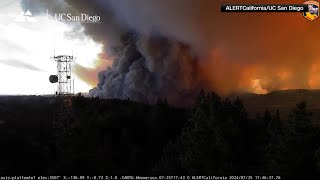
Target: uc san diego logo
(313, 10)
(25, 17)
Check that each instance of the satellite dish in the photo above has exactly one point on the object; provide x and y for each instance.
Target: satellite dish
(53, 78)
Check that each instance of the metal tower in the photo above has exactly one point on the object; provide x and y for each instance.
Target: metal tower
(64, 83)
(64, 93)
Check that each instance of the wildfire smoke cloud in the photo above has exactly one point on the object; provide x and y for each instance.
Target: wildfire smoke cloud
(181, 46)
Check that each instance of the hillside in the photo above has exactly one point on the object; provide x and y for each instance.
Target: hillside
(284, 100)
(116, 137)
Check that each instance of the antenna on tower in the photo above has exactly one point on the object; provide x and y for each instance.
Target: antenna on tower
(63, 77)
(65, 90)
(54, 47)
(73, 85)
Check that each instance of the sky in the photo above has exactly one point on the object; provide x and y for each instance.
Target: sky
(28, 42)
(255, 52)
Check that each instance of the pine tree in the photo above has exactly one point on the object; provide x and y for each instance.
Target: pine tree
(194, 138)
(237, 133)
(202, 147)
(267, 118)
(300, 143)
(275, 145)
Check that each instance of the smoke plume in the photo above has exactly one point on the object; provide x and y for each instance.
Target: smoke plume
(173, 48)
(149, 68)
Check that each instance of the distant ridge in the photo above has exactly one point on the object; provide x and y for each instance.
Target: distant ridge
(284, 100)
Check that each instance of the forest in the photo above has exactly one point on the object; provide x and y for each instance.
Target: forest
(215, 136)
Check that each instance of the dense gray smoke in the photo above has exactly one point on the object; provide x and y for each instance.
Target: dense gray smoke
(148, 68)
(188, 21)
(153, 61)
(146, 64)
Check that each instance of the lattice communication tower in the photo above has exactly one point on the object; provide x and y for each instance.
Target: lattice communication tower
(65, 86)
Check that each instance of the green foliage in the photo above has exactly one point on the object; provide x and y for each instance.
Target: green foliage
(274, 147)
(122, 136)
(215, 137)
(302, 142)
(211, 141)
(219, 138)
